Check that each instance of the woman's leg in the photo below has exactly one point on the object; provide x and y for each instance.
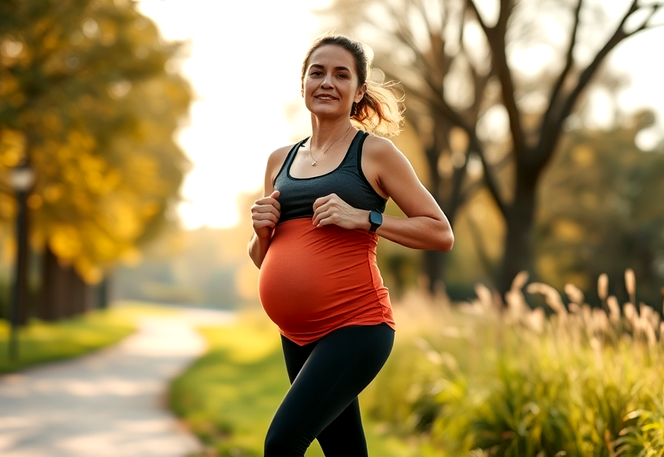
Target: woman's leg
(322, 401)
(347, 425)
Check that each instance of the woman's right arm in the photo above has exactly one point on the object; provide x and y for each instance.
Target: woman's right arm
(265, 211)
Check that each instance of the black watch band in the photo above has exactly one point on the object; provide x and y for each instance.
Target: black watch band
(375, 219)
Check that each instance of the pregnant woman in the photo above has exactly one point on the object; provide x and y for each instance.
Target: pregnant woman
(316, 231)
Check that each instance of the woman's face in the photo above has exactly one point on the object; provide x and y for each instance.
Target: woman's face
(330, 83)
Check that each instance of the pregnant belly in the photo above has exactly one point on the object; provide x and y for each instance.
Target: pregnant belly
(313, 276)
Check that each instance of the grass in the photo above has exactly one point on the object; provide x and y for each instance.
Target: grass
(228, 396)
(40, 342)
(485, 380)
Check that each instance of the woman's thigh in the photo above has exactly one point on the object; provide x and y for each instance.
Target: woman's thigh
(339, 366)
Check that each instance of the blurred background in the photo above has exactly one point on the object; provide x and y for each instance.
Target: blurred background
(134, 135)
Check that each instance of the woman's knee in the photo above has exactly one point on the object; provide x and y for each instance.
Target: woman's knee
(284, 443)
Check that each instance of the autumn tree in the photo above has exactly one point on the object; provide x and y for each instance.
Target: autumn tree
(472, 99)
(90, 97)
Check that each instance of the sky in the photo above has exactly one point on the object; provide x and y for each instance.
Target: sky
(244, 65)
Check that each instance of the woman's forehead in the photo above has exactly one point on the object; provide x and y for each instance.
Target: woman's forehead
(332, 55)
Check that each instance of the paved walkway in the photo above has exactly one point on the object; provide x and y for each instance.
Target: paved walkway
(110, 403)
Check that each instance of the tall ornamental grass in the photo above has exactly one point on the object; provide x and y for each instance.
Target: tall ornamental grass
(487, 378)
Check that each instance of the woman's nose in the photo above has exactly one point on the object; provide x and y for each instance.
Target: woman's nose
(327, 82)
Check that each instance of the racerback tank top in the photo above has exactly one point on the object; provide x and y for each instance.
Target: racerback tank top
(297, 195)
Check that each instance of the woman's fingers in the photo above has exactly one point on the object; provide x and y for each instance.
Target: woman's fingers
(331, 209)
(265, 212)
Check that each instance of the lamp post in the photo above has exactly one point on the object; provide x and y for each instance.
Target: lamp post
(21, 178)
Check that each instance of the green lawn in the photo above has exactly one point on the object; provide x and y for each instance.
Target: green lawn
(228, 396)
(41, 342)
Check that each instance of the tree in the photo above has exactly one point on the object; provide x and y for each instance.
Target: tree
(91, 97)
(459, 63)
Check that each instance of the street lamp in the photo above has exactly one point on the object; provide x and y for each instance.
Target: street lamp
(21, 178)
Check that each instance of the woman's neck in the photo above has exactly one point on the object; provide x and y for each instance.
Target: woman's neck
(323, 133)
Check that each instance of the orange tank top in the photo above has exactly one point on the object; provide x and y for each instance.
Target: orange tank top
(315, 280)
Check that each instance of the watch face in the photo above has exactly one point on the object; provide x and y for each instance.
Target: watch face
(375, 218)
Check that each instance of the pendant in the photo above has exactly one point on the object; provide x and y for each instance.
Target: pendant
(313, 164)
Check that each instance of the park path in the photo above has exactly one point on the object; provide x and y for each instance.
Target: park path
(109, 403)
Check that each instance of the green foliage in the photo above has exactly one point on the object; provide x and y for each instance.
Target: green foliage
(644, 434)
(485, 381)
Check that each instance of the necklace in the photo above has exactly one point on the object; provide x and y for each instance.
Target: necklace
(315, 162)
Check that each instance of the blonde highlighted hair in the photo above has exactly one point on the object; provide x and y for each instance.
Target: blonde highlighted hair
(381, 109)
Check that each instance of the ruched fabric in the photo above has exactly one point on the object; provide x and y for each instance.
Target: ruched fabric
(315, 280)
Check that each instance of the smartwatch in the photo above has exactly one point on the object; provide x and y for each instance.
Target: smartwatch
(376, 219)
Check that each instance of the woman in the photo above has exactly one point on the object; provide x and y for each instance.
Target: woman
(316, 231)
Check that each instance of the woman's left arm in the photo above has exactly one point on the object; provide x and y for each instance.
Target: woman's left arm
(390, 172)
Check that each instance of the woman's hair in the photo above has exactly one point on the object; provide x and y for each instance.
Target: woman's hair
(381, 110)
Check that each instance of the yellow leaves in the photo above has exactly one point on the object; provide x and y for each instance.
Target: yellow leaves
(569, 230)
(583, 155)
(52, 122)
(65, 241)
(8, 86)
(35, 201)
(131, 257)
(119, 89)
(104, 154)
(108, 32)
(120, 218)
(12, 147)
(53, 193)
(150, 209)
(50, 42)
(7, 205)
(81, 140)
(90, 272)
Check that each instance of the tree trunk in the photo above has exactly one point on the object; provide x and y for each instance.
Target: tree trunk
(80, 293)
(519, 221)
(434, 266)
(63, 292)
(54, 288)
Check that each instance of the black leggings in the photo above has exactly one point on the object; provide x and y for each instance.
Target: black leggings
(326, 378)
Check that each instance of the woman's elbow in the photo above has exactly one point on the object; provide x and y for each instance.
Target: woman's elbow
(446, 242)
(445, 238)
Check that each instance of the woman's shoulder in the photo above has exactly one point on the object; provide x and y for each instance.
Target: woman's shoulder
(279, 154)
(379, 146)
(277, 158)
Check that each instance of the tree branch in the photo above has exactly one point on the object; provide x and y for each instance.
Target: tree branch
(472, 7)
(569, 63)
(549, 137)
(490, 178)
(645, 26)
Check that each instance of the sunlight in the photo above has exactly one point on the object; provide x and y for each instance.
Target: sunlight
(244, 65)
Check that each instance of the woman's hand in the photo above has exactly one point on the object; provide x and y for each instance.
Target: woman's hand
(332, 210)
(265, 213)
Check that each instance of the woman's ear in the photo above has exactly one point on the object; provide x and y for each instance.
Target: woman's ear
(360, 93)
